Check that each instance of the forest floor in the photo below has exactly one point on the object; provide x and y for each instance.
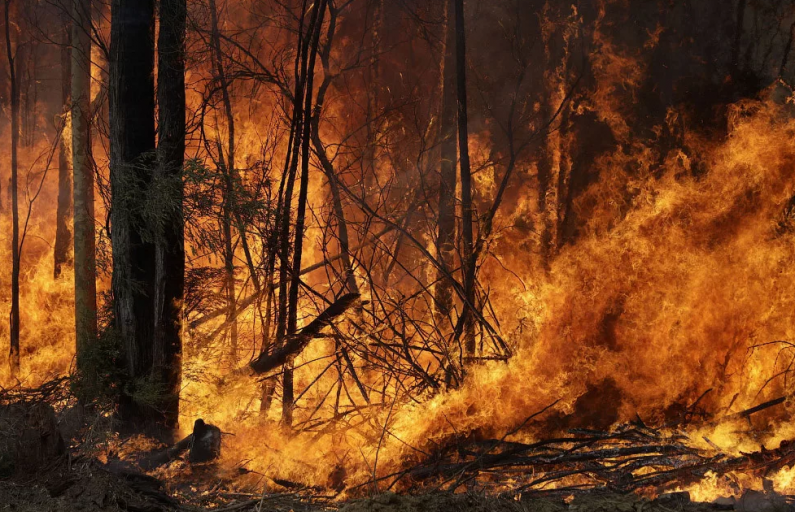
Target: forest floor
(39, 473)
(94, 487)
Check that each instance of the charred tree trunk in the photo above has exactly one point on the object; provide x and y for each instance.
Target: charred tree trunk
(285, 202)
(300, 216)
(348, 276)
(227, 165)
(132, 144)
(738, 38)
(554, 166)
(26, 83)
(170, 244)
(63, 237)
(13, 68)
(467, 245)
(447, 170)
(83, 173)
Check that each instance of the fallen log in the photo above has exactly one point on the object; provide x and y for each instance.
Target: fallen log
(296, 343)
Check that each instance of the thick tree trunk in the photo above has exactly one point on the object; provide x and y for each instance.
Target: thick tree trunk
(132, 144)
(83, 172)
(447, 170)
(13, 72)
(170, 244)
(467, 246)
(63, 237)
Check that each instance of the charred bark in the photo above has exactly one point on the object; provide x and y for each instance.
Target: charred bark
(227, 165)
(554, 166)
(315, 28)
(170, 244)
(447, 170)
(63, 237)
(298, 341)
(132, 139)
(13, 67)
(83, 175)
(467, 245)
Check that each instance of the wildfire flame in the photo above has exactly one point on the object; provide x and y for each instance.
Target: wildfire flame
(675, 296)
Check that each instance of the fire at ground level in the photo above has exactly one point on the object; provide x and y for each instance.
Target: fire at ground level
(633, 206)
(71, 460)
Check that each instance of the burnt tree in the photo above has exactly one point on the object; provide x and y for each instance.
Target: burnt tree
(132, 145)
(447, 167)
(11, 54)
(170, 242)
(467, 246)
(83, 180)
(62, 234)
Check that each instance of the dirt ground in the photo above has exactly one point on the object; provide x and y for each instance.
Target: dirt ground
(92, 488)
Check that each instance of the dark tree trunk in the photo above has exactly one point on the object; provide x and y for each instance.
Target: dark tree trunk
(227, 165)
(738, 37)
(13, 72)
(170, 245)
(467, 249)
(285, 204)
(83, 173)
(63, 237)
(300, 215)
(554, 165)
(348, 276)
(132, 144)
(447, 180)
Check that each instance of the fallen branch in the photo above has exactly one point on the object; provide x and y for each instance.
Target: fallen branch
(243, 304)
(296, 343)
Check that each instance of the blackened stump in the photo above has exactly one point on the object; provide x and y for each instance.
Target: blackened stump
(206, 444)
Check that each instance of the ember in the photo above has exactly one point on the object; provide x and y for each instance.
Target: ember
(346, 253)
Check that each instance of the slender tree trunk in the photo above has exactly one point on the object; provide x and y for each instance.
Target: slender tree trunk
(554, 167)
(24, 81)
(300, 215)
(447, 164)
(373, 83)
(13, 69)
(170, 245)
(227, 165)
(738, 37)
(787, 50)
(62, 235)
(132, 144)
(286, 199)
(467, 248)
(348, 276)
(83, 172)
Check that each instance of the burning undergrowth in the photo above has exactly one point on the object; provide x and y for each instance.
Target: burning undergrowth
(634, 264)
(672, 312)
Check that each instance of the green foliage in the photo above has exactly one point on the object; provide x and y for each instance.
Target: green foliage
(146, 391)
(102, 378)
(205, 202)
(100, 374)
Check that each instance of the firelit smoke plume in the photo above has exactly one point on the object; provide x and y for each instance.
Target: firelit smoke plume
(367, 243)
